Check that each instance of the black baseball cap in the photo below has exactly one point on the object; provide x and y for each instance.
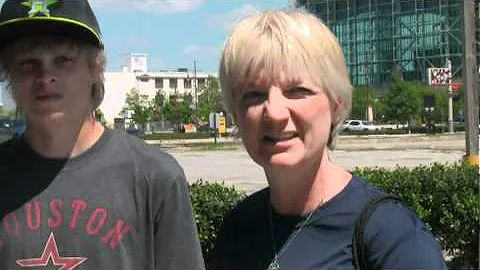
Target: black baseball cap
(70, 18)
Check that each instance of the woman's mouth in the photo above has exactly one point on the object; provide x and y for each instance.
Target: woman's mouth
(277, 139)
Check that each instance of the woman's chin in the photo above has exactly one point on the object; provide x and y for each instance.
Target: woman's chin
(283, 160)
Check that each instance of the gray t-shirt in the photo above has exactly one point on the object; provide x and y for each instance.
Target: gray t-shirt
(120, 205)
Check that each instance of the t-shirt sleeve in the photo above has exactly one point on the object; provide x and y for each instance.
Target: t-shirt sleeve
(176, 239)
(397, 239)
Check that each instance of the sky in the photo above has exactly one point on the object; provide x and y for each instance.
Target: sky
(173, 33)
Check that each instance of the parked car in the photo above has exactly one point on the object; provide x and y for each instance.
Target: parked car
(134, 130)
(359, 125)
(12, 127)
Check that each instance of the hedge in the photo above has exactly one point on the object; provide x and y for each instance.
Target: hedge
(445, 196)
(210, 202)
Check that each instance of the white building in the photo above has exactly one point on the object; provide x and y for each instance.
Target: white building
(169, 82)
(6, 101)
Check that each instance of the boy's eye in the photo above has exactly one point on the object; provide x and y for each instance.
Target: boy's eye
(63, 60)
(25, 65)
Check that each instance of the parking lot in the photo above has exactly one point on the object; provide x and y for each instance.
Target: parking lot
(235, 168)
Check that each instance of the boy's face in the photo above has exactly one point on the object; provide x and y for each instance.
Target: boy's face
(52, 82)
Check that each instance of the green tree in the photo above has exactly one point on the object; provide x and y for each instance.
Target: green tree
(440, 114)
(402, 101)
(210, 99)
(158, 106)
(179, 109)
(140, 105)
(361, 98)
(99, 116)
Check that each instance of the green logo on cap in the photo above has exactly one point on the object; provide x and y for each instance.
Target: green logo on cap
(39, 6)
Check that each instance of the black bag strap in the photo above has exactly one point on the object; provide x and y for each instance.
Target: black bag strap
(358, 247)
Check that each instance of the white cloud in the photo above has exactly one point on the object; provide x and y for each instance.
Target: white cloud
(230, 19)
(153, 6)
(200, 50)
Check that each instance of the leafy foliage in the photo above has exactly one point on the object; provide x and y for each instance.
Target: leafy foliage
(444, 196)
(402, 101)
(210, 99)
(158, 104)
(140, 105)
(99, 116)
(210, 203)
(179, 110)
(361, 97)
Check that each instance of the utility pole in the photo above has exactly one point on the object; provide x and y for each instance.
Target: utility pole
(195, 97)
(470, 81)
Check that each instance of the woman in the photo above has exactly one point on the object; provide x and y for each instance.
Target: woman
(284, 80)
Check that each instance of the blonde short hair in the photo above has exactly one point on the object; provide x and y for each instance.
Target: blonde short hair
(279, 42)
(96, 58)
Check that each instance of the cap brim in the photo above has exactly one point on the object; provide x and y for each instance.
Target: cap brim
(13, 30)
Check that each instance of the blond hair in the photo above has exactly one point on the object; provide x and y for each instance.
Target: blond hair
(277, 42)
(96, 59)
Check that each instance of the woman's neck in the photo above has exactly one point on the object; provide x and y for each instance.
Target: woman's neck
(302, 191)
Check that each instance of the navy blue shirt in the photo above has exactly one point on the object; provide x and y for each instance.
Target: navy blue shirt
(395, 236)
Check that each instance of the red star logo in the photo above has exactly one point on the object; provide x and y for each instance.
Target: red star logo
(51, 252)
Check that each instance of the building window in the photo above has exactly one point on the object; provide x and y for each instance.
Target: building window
(159, 83)
(201, 82)
(187, 83)
(172, 83)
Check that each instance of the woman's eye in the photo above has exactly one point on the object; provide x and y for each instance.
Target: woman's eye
(253, 98)
(300, 91)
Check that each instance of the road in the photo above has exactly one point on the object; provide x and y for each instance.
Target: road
(235, 168)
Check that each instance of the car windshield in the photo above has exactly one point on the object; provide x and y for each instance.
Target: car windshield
(18, 123)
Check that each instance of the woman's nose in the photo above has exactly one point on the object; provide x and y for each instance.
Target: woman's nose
(276, 108)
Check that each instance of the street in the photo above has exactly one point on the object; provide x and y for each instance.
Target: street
(235, 168)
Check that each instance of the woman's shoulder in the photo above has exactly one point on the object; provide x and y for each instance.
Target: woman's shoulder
(250, 207)
(395, 232)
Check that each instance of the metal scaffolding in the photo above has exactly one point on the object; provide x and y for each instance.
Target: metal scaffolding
(380, 37)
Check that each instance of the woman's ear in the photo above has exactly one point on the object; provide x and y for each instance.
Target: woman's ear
(337, 109)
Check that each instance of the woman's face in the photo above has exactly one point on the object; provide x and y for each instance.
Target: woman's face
(284, 124)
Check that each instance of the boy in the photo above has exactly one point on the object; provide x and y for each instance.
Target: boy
(74, 194)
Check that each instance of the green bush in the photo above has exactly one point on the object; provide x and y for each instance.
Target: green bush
(445, 196)
(210, 202)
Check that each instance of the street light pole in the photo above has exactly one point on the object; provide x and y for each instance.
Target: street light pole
(450, 97)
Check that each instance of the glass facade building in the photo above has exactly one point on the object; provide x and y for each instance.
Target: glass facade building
(406, 36)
